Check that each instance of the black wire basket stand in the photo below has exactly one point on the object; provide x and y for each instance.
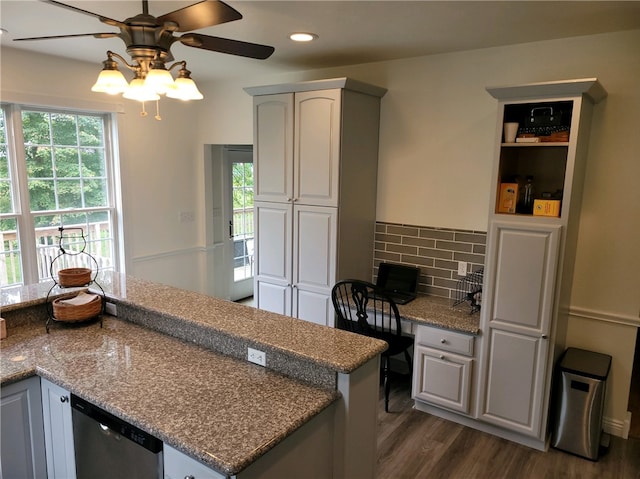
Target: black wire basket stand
(65, 252)
(469, 291)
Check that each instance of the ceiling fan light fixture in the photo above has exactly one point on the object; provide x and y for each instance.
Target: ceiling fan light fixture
(159, 79)
(303, 36)
(137, 91)
(184, 88)
(110, 80)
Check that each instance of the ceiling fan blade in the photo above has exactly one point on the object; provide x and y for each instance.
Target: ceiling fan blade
(102, 18)
(224, 45)
(200, 15)
(96, 35)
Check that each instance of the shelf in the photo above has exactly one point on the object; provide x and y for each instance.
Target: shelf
(535, 145)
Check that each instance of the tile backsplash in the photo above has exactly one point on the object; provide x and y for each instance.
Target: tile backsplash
(436, 251)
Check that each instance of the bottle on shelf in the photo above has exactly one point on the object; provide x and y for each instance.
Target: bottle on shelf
(525, 203)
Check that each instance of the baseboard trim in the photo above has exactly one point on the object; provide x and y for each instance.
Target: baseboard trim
(616, 427)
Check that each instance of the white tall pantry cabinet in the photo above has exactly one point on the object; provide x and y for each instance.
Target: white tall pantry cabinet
(529, 258)
(315, 164)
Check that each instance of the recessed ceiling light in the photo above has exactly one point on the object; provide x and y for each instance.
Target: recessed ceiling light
(303, 36)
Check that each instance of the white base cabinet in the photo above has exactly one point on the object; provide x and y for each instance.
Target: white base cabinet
(58, 431)
(441, 371)
(180, 466)
(21, 431)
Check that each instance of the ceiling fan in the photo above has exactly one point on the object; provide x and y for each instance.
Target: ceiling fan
(148, 38)
(148, 41)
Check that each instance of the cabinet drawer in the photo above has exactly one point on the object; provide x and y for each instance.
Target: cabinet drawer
(446, 340)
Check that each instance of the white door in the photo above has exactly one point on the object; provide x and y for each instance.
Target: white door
(239, 247)
(521, 287)
(273, 253)
(314, 262)
(58, 431)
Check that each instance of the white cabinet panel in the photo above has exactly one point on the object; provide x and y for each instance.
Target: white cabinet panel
(21, 430)
(58, 431)
(180, 466)
(314, 249)
(273, 240)
(442, 378)
(526, 259)
(314, 307)
(273, 297)
(515, 381)
(273, 149)
(317, 147)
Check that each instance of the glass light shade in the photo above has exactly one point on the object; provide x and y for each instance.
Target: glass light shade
(185, 89)
(111, 82)
(138, 91)
(158, 80)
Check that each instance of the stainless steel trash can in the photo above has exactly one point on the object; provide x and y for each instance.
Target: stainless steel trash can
(580, 390)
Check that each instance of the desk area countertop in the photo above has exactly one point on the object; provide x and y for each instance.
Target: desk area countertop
(438, 312)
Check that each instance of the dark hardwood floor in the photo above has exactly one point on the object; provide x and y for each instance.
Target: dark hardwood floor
(413, 444)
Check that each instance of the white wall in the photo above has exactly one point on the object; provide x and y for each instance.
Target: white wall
(436, 152)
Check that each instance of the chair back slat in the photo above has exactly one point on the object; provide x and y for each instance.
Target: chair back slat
(361, 307)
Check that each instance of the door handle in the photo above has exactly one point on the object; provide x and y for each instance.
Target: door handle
(230, 229)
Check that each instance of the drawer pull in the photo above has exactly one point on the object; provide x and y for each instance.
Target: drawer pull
(441, 356)
(443, 341)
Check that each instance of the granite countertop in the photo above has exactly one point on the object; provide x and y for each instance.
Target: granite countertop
(328, 347)
(222, 411)
(436, 311)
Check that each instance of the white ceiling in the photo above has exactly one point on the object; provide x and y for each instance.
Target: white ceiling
(350, 33)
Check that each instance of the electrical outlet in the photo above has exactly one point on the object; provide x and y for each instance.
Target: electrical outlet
(462, 268)
(257, 357)
(110, 308)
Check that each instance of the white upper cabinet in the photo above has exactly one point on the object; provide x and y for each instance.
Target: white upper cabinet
(273, 149)
(317, 147)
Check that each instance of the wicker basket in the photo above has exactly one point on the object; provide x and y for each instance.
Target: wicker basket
(74, 277)
(73, 312)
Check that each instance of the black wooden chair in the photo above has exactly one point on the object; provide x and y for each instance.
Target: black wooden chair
(363, 308)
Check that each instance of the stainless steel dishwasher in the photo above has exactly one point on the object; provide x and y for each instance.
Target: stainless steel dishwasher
(107, 447)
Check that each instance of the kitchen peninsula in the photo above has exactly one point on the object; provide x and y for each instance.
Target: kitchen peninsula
(174, 363)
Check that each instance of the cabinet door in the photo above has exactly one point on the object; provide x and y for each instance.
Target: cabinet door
(58, 431)
(442, 378)
(314, 261)
(519, 322)
(178, 466)
(273, 256)
(273, 147)
(23, 452)
(317, 147)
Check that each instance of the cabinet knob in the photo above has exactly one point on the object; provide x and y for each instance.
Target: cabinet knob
(64, 398)
(544, 336)
(189, 477)
(441, 356)
(443, 340)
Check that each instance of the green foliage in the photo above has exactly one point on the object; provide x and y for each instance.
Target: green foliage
(65, 160)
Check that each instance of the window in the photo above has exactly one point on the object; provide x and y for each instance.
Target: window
(56, 170)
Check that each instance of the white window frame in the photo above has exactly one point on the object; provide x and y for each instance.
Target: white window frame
(18, 168)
